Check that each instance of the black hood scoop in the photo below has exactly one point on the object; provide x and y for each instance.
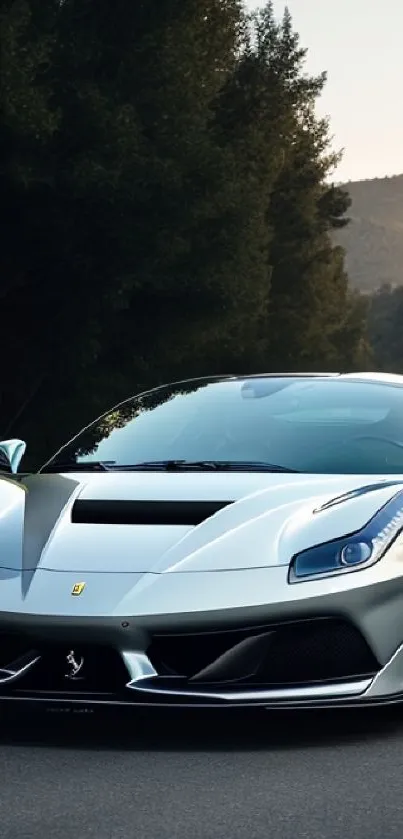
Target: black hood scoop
(163, 513)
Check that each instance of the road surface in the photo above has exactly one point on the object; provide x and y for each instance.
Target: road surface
(315, 776)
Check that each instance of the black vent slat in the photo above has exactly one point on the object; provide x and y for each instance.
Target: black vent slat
(172, 513)
(239, 662)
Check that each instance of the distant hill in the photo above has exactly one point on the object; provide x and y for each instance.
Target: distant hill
(374, 238)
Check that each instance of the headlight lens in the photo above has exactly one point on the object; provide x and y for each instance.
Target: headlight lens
(355, 553)
(351, 553)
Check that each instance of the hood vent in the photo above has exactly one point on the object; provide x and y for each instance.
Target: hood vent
(179, 513)
(357, 493)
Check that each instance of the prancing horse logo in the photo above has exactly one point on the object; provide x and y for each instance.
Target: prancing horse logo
(75, 666)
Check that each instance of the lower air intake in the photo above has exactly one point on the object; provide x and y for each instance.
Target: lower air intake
(289, 653)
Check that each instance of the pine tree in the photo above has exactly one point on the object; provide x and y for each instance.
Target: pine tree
(313, 320)
(135, 235)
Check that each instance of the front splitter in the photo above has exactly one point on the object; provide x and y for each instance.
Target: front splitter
(88, 704)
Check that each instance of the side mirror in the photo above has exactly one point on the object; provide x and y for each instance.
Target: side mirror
(11, 454)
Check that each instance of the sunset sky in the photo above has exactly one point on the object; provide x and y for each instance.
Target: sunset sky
(359, 44)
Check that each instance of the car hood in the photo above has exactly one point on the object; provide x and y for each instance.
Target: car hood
(163, 523)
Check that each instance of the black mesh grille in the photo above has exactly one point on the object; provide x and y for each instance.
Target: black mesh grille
(306, 651)
(102, 671)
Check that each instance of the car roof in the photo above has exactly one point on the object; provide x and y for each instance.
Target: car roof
(387, 378)
(377, 378)
(364, 376)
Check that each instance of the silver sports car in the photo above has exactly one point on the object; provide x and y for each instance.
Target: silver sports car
(232, 541)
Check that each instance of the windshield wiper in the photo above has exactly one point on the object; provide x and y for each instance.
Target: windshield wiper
(91, 466)
(204, 465)
(168, 466)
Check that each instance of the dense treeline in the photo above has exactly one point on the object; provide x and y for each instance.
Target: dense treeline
(385, 322)
(166, 206)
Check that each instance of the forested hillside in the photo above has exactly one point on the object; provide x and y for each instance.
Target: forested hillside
(374, 238)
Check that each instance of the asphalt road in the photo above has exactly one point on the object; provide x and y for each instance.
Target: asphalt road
(317, 776)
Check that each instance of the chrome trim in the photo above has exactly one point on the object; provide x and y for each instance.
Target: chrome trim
(139, 667)
(13, 675)
(287, 694)
(141, 670)
(69, 703)
(389, 680)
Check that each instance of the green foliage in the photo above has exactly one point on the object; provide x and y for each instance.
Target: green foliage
(165, 206)
(312, 322)
(385, 320)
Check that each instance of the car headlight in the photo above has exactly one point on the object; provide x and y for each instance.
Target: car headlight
(354, 551)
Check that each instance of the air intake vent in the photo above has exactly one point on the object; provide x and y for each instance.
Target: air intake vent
(306, 651)
(165, 513)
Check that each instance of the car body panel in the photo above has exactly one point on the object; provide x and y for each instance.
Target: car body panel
(284, 506)
(69, 579)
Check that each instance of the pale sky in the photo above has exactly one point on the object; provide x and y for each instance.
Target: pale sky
(360, 45)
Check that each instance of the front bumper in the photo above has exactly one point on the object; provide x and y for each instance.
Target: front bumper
(153, 692)
(339, 670)
(334, 645)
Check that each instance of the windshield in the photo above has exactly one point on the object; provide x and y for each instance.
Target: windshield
(317, 425)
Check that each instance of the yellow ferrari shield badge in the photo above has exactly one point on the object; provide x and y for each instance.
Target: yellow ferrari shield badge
(77, 589)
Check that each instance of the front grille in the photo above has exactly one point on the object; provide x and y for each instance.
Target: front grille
(309, 651)
(103, 670)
